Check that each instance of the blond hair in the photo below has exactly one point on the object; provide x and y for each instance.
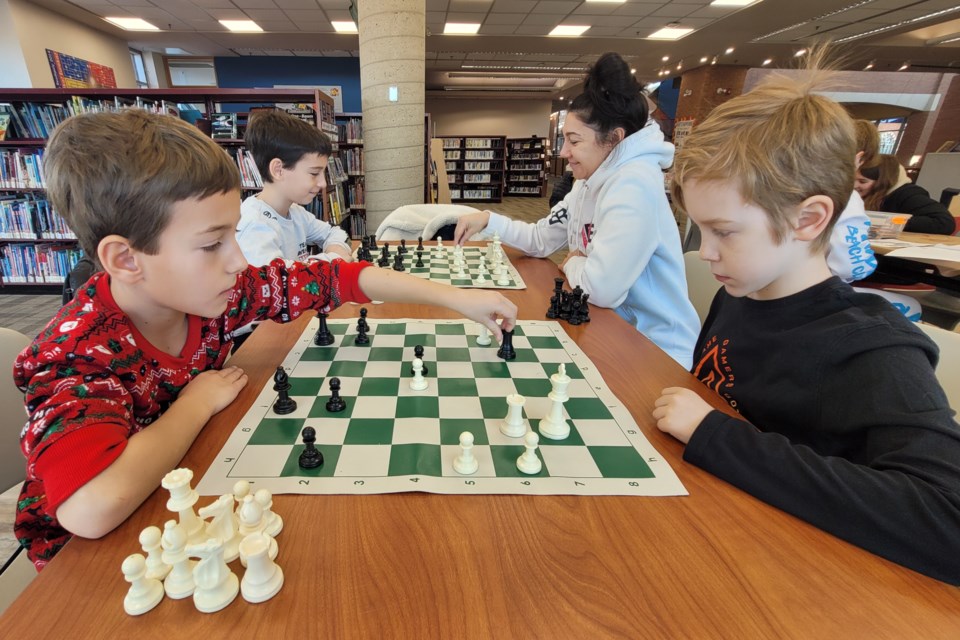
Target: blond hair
(781, 143)
(868, 141)
(120, 173)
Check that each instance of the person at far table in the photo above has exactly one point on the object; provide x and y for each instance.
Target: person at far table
(886, 187)
(623, 240)
(122, 379)
(841, 422)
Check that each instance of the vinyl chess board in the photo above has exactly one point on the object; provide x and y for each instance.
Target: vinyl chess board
(392, 439)
(439, 267)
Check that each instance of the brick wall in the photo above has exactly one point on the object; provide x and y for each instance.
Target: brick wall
(940, 126)
(698, 89)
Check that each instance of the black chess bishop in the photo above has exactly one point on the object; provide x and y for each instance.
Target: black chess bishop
(281, 384)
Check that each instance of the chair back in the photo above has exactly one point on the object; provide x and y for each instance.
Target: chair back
(948, 369)
(13, 467)
(701, 285)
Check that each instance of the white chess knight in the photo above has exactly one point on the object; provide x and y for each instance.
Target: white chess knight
(182, 499)
(251, 521)
(150, 542)
(528, 462)
(514, 425)
(465, 463)
(263, 578)
(144, 593)
(483, 338)
(554, 426)
(223, 526)
(418, 382)
(272, 522)
(217, 586)
(179, 582)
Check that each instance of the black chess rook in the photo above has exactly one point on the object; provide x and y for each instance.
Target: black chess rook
(506, 351)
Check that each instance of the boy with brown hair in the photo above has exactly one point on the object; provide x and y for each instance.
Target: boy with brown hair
(843, 421)
(123, 378)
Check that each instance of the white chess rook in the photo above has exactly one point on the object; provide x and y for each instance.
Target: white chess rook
(528, 462)
(466, 463)
(144, 593)
(263, 578)
(514, 426)
(554, 426)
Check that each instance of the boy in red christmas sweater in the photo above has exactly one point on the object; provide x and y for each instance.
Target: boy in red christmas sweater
(120, 382)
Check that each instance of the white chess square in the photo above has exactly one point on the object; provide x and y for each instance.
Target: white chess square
(416, 430)
(495, 388)
(576, 461)
(539, 407)
(486, 354)
(386, 369)
(460, 407)
(580, 388)
(261, 461)
(454, 370)
(495, 436)
(455, 342)
(541, 330)
(382, 407)
(329, 430)
(387, 340)
(481, 452)
(415, 328)
(353, 353)
(521, 342)
(311, 369)
(602, 433)
(526, 370)
(363, 460)
(549, 356)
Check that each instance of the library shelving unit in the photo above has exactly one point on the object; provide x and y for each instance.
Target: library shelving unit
(475, 167)
(526, 175)
(37, 250)
(347, 177)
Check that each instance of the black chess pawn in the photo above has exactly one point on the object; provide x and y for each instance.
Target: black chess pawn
(577, 293)
(281, 384)
(361, 338)
(403, 246)
(310, 457)
(398, 262)
(419, 262)
(384, 260)
(323, 337)
(362, 322)
(584, 308)
(419, 243)
(554, 310)
(506, 351)
(418, 353)
(575, 318)
(335, 404)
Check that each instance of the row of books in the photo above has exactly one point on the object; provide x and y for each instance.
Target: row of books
(31, 218)
(22, 169)
(335, 171)
(514, 190)
(38, 263)
(353, 160)
(39, 119)
(481, 155)
(533, 144)
(249, 174)
(525, 167)
(351, 132)
(355, 194)
(525, 156)
(473, 194)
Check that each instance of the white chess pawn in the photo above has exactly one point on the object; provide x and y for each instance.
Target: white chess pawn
(272, 522)
(179, 582)
(217, 586)
(496, 266)
(554, 426)
(240, 489)
(528, 462)
(182, 499)
(514, 425)
(223, 526)
(251, 521)
(440, 250)
(481, 277)
(150, 542)
(418, 382)
(461, 273)
(263, 578)
(144, 593)
(465, 463)
(483, 338)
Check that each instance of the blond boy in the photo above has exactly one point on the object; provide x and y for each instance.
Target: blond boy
(120, 382)
(843, 422)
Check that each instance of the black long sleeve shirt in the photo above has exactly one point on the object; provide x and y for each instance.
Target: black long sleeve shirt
(845, 424)
(929, 216)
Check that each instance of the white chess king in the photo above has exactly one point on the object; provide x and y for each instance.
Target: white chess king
(554, 426)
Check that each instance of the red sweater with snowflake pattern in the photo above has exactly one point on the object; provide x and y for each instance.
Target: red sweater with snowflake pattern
(91, 379)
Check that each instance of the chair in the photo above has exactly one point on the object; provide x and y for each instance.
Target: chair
(701, 285)
(948, 369)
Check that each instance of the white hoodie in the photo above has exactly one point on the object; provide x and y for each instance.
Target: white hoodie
(620, 219)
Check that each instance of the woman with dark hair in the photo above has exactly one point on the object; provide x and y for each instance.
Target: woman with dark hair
(616, 221)
(885, 187)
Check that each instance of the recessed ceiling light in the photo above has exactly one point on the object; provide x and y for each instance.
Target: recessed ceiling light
(714, 61)
(344, 26)
(904, 66)
(665, 58)
(871, 32)
(132, 24)
(703, 59)
(729, 50)
(679, 66)
(766, 62)
(670, 33)
(868, 67)
(633, 70)
(461, 28)
(568, 30)
(241, 26)
(732, 3)
(799, 53)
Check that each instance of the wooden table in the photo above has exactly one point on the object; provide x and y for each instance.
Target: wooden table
(715, 564)
(909, 269)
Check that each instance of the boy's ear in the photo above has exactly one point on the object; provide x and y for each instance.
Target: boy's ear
(816, 212)
(119, 259)
(276, 168)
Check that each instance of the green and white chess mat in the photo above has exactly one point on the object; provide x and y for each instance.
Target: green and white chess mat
(439, 267)
(393, 439)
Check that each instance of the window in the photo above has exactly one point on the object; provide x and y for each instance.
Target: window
(139, 71)
(190, 72)
(891, 131)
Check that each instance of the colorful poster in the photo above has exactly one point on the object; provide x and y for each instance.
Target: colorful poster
(74, 73)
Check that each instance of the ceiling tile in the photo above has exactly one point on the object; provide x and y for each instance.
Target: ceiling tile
(255, 4)
(305, 15)
(504, 18)
(514, 6)
(498, 29)
(533, 30)
(296, 4)
(556, 6)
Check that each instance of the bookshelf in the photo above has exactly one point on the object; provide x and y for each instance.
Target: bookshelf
(346, 176)
(37, 250)
(526, 174)
(475, 167)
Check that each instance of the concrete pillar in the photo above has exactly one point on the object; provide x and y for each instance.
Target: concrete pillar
(392, 44)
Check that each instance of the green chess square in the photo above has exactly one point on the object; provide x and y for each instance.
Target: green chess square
(451, 329)
(544, 342)
(305, 386)
(453, 354)
(518, 331)
(422, 339)
(319, 354)
(418, 407)
(277, 431)
(491, 370)
(505, 462)
(346, 369)
(457, 387)
(494, 408)
(392, 329)
(415, 460)
(319, 409)
(533, 387)
(369, 431)
(525, 355)
(385, 354)
(379, 387)
(620, 462)
(587, 409)
(461, 282)
(451, 428)
(570, 369)
(572, 440)
(331, 455)
(337, 329)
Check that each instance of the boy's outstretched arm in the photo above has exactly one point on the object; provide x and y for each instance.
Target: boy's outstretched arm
(109, 498)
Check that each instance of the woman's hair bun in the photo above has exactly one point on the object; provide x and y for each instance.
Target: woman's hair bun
(611, 97)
